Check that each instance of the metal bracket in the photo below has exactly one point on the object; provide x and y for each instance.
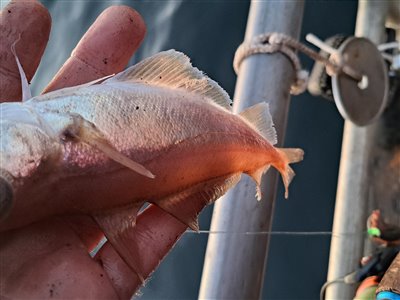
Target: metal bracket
(361, 102)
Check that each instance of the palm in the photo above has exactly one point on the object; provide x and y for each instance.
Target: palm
(55, 255)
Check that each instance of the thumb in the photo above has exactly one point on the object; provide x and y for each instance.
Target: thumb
(31, 21)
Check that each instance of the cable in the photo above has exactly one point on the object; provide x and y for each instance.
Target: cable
(325, 286)
(289, 233)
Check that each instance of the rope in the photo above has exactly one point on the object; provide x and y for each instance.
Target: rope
(277, 42)
(270, 43)
(325, 286)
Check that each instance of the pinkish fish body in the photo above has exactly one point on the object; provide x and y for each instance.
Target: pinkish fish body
(160, 132)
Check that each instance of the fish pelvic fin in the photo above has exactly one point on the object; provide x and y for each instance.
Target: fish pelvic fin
(172, 69)
(259, 118)
(87, 133)
(289, 156)
(117, 226)
(187, 204)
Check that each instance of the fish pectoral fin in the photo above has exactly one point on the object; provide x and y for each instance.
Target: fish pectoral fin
(260, 119)
(172, 69)
(26, 91)
(187, 204)
(289, 155)
(257, 175)
(87, 133)
(117, 227)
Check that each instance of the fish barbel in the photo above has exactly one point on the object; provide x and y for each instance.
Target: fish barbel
(159, 132)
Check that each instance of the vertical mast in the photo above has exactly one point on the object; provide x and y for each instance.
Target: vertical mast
(235, 263)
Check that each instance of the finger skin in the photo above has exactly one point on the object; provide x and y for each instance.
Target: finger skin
(34, 30)
(154, 235)
(105, 48)
(87, 230)
(46, 260)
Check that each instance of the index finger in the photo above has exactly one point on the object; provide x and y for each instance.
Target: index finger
(30, 21)
(105, 49)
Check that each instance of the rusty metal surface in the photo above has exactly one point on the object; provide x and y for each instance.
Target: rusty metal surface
(391, 280)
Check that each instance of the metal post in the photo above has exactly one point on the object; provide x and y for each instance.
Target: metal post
(353, 183)
(234, 263)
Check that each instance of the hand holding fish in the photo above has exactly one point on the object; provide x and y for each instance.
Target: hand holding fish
(50, 259)
(91, 155)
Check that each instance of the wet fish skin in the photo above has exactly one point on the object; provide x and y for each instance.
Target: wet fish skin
(157, 122)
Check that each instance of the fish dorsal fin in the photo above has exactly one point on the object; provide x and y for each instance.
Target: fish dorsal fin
(26, 90)
(173, 69)
(68, 91)
(260, 119)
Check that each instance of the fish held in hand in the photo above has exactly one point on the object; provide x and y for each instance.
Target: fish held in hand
(159, 132)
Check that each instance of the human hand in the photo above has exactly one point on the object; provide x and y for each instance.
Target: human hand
(382, 233)
(50, 258)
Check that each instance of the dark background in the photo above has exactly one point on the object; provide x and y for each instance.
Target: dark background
(209, 32)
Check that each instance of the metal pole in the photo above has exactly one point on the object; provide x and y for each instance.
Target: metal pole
(353, 183)
(234, 263)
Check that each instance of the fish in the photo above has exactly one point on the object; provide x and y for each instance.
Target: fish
(160, 132)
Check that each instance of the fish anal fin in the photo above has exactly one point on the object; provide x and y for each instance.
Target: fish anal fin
(289, 155)
(259, 118)
(257, 175)
(287, 177)
(117, 227)
(187, 214)
(187, 204)
(172, 69)
(87, 133)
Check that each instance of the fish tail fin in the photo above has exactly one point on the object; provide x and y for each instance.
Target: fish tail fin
(260, 119)
(289, 156)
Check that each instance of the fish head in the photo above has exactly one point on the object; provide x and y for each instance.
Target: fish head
(25, 149)
(6, 194)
